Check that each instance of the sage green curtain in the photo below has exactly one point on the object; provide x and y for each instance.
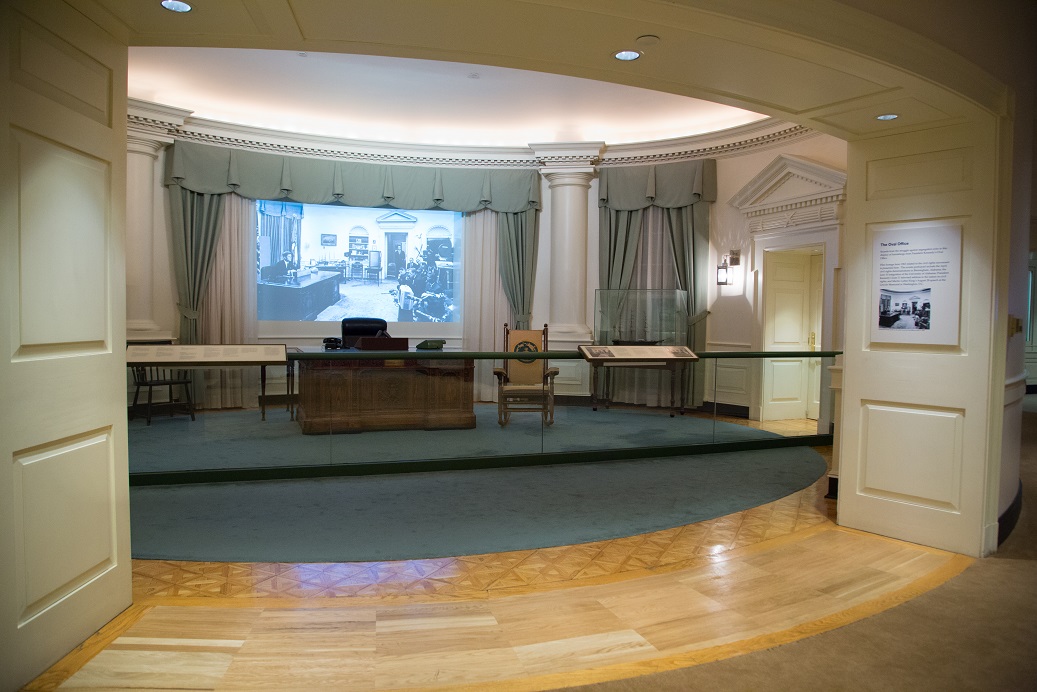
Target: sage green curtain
(196, 222)
(683, 189)
(620, 233)
(260, 175)
(689, 236)
(212, 171)
(517, 253)
(623, 192)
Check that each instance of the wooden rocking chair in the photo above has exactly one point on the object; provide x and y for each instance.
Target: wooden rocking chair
(525, 384)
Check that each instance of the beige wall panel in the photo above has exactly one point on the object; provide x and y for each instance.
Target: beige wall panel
(912, 454)
(932, 172)
(63, 241)
(573, 377)
(732, 381)
(66, 535)
(44, 63)
(900, 375)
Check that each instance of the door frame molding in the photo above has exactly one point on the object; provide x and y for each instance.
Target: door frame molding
(826, 237)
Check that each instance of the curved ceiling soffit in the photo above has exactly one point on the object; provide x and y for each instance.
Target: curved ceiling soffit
(766, 57)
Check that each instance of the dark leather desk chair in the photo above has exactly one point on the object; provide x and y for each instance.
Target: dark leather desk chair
(354, 328)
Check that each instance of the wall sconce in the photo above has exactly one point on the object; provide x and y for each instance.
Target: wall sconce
(723, 273)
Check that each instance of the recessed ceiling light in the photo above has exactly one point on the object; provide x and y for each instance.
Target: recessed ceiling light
(887, 116)
(626, 55)
(302, 54)
(176, 6)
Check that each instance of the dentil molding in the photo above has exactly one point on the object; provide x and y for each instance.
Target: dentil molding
(166, 124)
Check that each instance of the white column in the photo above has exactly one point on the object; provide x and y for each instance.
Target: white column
(569, 188)
(568, 169)
(150, 127)
(142, 154)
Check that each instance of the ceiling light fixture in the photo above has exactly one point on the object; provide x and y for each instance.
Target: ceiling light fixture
(626, 55)
(176, 6)
(887, 116)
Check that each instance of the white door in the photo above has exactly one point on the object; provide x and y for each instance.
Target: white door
(64, 514)
(787, 327)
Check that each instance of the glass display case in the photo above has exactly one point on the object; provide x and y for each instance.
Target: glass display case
(640, 317)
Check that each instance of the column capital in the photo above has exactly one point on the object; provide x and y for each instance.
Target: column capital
(567, 155)
(148, 146)
(559, 177)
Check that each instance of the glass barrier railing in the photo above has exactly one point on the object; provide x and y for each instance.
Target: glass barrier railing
(354, 412)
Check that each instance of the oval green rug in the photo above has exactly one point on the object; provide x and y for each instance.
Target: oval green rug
(452, 513)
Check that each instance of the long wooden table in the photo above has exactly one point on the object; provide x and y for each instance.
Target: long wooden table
(200, 356)
(346, 395)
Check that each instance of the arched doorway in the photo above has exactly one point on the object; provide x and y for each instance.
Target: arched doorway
(834, 70)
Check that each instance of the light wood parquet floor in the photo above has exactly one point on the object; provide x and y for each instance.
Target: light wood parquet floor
(523, 620)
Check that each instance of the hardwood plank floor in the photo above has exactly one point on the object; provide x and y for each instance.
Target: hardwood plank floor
(523, 620)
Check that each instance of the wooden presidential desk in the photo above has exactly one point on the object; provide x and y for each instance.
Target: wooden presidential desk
(340, 392)
(302, 298)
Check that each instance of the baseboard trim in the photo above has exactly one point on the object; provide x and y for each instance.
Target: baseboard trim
(725, 409)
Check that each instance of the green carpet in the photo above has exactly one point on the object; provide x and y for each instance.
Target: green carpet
(239, 439)
(451, 513)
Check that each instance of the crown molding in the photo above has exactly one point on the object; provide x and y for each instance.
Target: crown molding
(567, 154)
(165, 123)
(760, 135)
(154, 120)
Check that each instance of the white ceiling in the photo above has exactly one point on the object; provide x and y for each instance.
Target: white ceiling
(415, 101)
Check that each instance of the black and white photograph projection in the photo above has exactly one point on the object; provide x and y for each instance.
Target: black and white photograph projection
(321, 263)
(904, 309)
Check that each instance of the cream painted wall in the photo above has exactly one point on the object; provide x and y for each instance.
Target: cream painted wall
(731, 316)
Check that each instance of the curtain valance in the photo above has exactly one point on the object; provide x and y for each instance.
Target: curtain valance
(211, 169)
(667, 185)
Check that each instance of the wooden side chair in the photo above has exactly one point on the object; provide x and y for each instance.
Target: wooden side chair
(149, 378)
(525, 384)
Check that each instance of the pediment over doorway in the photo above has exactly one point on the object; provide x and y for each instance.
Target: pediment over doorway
(791, 191)
(790, 181)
